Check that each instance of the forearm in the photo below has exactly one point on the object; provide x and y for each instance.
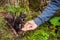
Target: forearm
(47, 13)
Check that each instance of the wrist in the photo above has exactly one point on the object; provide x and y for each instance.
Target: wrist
(37, 21)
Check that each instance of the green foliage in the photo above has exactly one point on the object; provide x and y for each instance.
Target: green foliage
(10, 8)
(6, 36)
(55, 21)
(1, 10)
(58, 32)
(20, 9)
(34, 4)
(2, 21)
(5, 32)
(53, 35)
(17, 8)
(29, 17)
(39, 35)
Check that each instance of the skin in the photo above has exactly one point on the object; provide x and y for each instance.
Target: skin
(30, 25)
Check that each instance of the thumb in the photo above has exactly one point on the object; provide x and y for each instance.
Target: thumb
(23, 29)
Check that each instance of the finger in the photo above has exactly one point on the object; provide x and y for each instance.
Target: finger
(26, 28)
(25, 25)
(29, 28)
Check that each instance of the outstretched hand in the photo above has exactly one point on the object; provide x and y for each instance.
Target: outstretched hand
(30, 25)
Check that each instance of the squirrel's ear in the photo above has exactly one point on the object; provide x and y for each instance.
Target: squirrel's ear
(22, 15)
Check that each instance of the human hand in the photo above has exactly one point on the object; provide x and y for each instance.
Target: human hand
(30, 25)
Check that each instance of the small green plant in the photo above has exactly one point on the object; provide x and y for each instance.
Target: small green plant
(55, 21)
(10, 8)
(13, 9)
